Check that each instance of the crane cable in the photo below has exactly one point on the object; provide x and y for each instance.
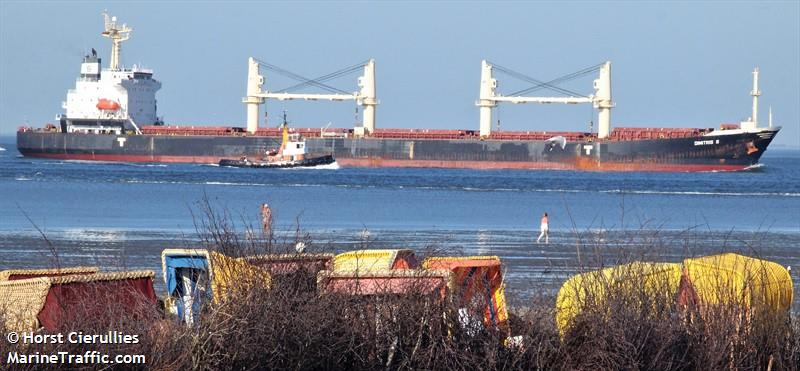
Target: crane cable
(562, 79)
(302, 79)
(529, 79)
(546, 85)
(330, 76)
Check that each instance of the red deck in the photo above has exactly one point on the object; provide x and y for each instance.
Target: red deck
(621, 133)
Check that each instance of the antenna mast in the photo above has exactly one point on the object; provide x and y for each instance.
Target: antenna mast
(755, 94)
(117, 34)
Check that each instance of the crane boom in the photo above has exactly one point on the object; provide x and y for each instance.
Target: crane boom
(544, 100)
(601, 99)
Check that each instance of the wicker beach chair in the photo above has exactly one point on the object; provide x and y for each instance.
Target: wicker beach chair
(732, 279)
(297, 271)
(479, 285)
(51, 302)
(637, 283)
(196, 277)
(18, 274)
(375, 260)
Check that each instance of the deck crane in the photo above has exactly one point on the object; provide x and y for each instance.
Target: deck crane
(601, 99)
(366, 96)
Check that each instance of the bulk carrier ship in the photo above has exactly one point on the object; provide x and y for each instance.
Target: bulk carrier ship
(111, 116)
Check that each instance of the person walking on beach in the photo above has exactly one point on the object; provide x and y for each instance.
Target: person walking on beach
(545, 228)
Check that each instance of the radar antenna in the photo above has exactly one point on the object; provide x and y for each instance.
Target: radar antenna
(117, 34)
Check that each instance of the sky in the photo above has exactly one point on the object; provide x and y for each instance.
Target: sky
(674, 64)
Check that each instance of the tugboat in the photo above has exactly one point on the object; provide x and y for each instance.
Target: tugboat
(292, 153)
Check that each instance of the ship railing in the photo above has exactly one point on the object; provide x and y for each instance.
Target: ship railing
(237, 131)
(729, 126)
(442, 134)
(192, 130)
(431, 134)
(328, 134)
(305, 132)
(653, 133)
(416, 136)
(542, 135)
(49, 128)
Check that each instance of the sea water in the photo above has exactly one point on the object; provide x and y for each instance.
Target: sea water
(102, 213)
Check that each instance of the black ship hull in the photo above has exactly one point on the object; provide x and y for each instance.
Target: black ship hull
(308, 162)
(731, 151)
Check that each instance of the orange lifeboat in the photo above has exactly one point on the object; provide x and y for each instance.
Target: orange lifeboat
(107, 105)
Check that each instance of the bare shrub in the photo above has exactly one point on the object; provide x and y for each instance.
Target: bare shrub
(292, 325)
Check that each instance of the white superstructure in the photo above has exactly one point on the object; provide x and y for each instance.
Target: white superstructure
(112, 100)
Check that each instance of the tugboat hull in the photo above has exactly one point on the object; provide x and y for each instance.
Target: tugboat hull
(309, 162)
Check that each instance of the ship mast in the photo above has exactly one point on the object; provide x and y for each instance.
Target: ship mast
(117, 34)
(755, 93)
(752, 122)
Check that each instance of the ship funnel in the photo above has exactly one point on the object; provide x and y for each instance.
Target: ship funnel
(90, 68)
